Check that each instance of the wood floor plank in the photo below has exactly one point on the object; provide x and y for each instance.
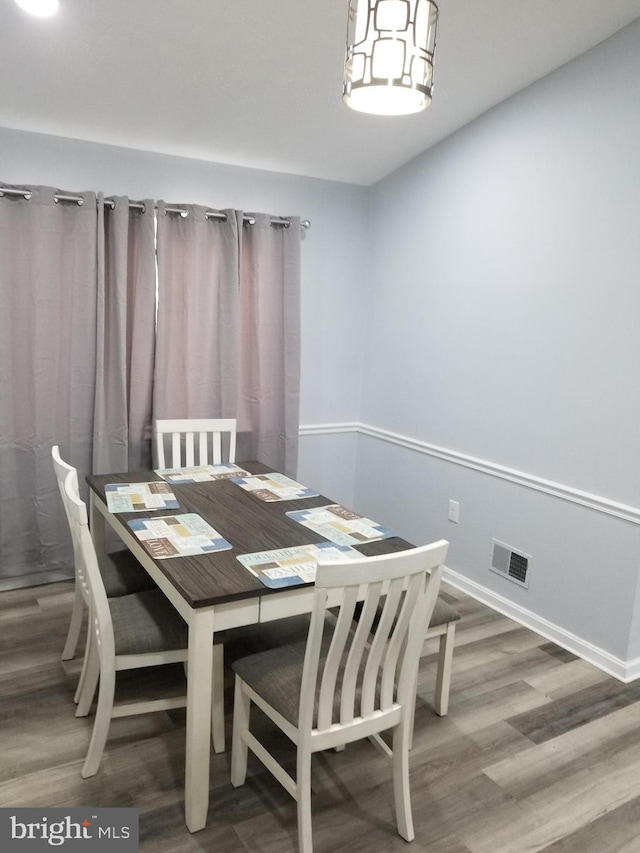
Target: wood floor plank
(556, 651)
(566, 680)
(505, 646)
(505, 702)
(539, 766)
(560, 809)
(617, 831)
(577, 709)
(442, 768)
(491, 676)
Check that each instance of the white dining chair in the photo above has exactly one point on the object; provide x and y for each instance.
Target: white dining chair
(199, 441)
(132, 631)
(121, 573)
(342, 685)
(195, 441)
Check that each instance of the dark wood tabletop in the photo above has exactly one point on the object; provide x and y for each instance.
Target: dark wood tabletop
(245, 521)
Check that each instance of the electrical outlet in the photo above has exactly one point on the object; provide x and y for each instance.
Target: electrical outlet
(454, 511)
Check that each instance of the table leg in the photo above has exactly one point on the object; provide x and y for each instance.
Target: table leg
(198, 747)
(96, 525)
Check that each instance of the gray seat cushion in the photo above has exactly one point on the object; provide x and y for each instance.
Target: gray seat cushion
(251, 639)
(276, 675)
(147, 622)
(443, 613)
(276, 672)
(122, 574)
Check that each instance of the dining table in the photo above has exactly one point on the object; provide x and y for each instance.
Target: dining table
(214, 591)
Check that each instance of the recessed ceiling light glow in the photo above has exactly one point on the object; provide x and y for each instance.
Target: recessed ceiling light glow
(42, 8)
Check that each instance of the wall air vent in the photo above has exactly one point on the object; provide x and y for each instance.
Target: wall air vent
(513, 564)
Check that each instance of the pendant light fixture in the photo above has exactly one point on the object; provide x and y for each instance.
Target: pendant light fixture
(389, 61)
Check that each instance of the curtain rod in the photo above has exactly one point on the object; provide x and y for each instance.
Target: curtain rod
(138, 205)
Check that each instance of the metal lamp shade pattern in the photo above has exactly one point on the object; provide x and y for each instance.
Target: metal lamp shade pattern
(389, 60)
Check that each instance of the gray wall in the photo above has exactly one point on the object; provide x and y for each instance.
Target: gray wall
(503, 327)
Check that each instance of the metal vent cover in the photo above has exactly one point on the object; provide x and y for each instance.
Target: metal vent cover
(513, 564)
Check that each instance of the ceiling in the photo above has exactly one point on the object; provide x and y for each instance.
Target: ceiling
(258, 82)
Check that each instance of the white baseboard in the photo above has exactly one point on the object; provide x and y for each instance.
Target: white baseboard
(633, 670)
(622, 670)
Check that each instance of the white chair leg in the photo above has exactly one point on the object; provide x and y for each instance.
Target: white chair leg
(102, 721)
(445, 666)
(401, 792)
(411, 713)
(89, 683)
(85, 665)
(217, 704)
(75, 626)
(239, 748)
(303, 797)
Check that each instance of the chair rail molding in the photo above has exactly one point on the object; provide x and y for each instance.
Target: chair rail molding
(598, 503)
(328, 429)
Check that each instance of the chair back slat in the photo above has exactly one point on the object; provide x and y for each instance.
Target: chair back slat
(379, 645)
(335, 657)
(183, 442)
(370, 676)
(312, 659)
(217, 447)
(175, 449)
(398, 639)
(351, 680)
(418, 627)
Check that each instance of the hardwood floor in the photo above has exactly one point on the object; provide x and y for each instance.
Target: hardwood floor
(540, 751)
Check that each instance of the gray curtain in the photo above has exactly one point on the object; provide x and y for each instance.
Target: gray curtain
(47, 369)
(228, 332)
(269, 342)
(125, 343)
(197, 331)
